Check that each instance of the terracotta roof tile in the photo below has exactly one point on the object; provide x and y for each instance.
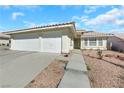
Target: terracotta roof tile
(4, 36)
(121, 36)
(95, 34)
(52, 25)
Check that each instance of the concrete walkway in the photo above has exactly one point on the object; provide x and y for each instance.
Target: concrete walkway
(75, 75)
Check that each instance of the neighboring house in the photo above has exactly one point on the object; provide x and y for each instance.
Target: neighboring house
(4, 39)
(117, 43)
(58, 38)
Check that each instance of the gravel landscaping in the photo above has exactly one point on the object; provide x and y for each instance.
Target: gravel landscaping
(49, 77)
(107, 72)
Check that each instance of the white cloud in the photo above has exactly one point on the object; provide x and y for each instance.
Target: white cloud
(120, 22)
(111, 21)
(82, 18)
(112, 17)
(79, 20)
(101, 19)
(16, 14)
(116, 12)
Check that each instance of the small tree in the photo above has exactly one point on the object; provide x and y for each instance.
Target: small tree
(99, 53)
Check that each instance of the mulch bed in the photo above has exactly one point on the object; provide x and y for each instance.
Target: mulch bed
(107, 72)
(49, 77)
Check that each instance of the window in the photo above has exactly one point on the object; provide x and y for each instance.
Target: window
(92, 41)
(100, 42)
(85, 42)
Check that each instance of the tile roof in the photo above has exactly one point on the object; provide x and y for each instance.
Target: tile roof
(121, 36)
(95, 34)
(4, 36)
(46, 26)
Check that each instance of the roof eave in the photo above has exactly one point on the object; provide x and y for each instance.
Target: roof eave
(93, 36)
(71, 25)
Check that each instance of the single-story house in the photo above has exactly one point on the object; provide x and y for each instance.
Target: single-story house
(58, 38)
(117, 42)
(4, 39)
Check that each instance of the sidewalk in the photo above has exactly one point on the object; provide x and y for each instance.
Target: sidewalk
(75, 75)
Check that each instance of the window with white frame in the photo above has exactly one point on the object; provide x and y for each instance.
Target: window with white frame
(92, 42)
(100, 42)
(86, 42)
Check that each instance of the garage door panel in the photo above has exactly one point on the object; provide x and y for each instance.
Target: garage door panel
(29, 43)
(52, 42)
(52, 45)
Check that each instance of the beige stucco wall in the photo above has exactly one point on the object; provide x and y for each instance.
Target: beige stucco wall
(67, 42)
(104, 47)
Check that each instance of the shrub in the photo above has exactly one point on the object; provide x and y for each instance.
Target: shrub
(88, 67)
(99, 53)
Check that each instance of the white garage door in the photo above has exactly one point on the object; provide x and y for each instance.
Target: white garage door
(52, 42)
(26, 42)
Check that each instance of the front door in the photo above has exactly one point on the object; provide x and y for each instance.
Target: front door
(77, 43)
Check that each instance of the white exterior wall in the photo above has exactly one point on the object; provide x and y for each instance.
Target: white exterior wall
(59, 39)
(71, 42)
(12, 44)
(66, 42)
(72, 45)
(104, 47)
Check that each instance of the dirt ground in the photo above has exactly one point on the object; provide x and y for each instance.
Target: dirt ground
(49, 77)
(107, 72)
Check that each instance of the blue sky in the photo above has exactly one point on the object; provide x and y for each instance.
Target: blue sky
(98, 18)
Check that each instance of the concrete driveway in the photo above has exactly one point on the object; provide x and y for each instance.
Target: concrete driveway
(18, 68)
